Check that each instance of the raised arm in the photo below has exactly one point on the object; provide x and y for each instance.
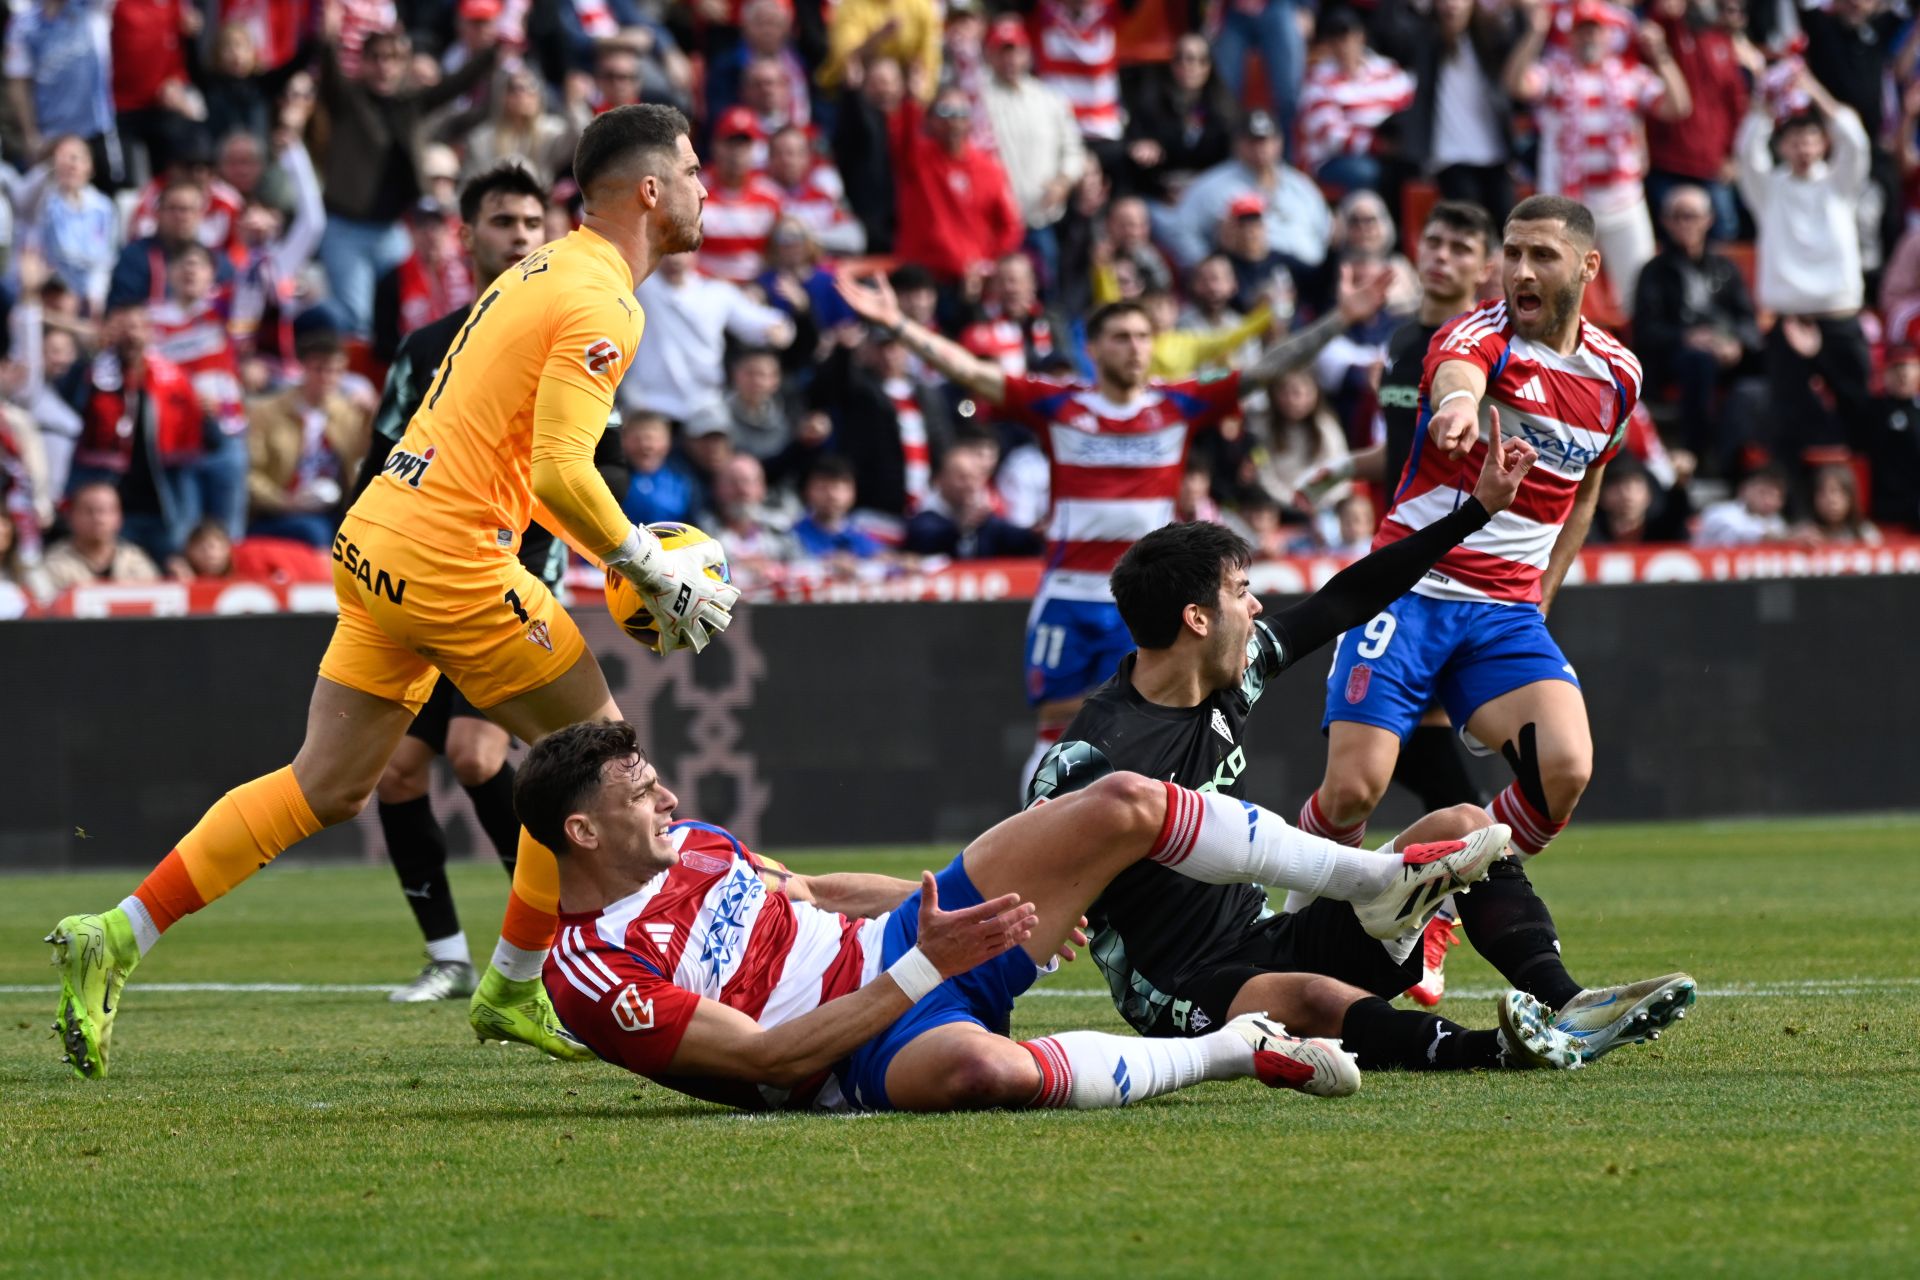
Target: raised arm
(1676, 100)
(876, 304)
(1363, 291)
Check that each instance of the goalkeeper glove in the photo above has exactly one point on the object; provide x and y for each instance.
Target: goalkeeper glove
(689, 606)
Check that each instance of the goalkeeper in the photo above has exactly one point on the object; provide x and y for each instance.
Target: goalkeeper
(428, 582)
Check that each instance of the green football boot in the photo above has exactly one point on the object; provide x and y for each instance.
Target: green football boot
(521, 1011)
(94, 955)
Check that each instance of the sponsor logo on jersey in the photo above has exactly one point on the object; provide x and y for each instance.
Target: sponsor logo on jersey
(351, 558)
(1399, 397)
(409, 468)
(632, 1012)
(600, 356)
(1220, 725)
(537, 634)
(1357, 681)
(726, 936)
(1226, 773)
(1144, 449)
(1556, 451)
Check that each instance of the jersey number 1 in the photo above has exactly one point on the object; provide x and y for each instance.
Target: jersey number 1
(466, 330)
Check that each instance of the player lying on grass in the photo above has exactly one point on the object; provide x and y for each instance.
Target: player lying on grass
(687, 958)
(1181, 956)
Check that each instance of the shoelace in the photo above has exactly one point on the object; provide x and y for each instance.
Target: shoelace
(1441, 934)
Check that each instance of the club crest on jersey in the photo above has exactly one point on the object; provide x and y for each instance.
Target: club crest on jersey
(1220, 725)
(1357, 681)
(408, 468)
(537, 634)
(600, 356)
(704, 863)
(632, 1012)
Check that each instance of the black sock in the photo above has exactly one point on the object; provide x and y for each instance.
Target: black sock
(1383, 1036)
(417, 847)
(1508, 924)
(1433, 767)
(493, 806)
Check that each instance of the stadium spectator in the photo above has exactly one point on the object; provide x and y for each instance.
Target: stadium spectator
(140, 273)
(1632, 509)
(1850, 54)
(1347, 97)
(1592, 104)
(1010, 326)
(1180, 121)
(433, 279)
(863, 149)
(1891, 442)
(1211, 287)
(1835, 517)
(963, 61)
(1756, 512)
(76, 229)
(956, 211)
(811, 192)
(271, 254)
(1077, 53)
(190, 329)
(147, 53)
(20, 565)
(886, 425)
(1298, 223)
(756, 533)
(741, 207)
(768, 94)
(209, 552)
(797, 282)
(706, 444)
(681, 369)
(1715, 59)
(520, 127)
(1036, 133)
(1364, 235)
(659, 486)
(1460, 126)
(1808, 261)
(1298, 434)
(1125, 260)
(826, 532)
(59, 79)
(1261, 273)
(1181, 352)
(374, 159)
(766, 35)
(860, 32)
(1354, 522)
(95, 551)
(761, 416)
(1694, 323)
(144, 431)
(239, 92)
(306, 442)
(1271, 27)
(192, 161)
(958, 518)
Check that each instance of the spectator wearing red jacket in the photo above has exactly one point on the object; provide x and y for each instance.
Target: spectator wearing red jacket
(143, 431)
(956, 210)
(1698, 150)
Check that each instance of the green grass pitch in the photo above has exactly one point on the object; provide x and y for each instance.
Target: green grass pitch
(327, 1133)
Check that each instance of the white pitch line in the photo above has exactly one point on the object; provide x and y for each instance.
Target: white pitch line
(1827, 987)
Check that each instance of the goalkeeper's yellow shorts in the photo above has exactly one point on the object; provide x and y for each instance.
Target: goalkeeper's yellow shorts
(409, 613)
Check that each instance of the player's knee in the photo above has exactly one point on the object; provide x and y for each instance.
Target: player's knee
(474, 763)
(402, 783)
(1463, 820)
(1132, 801)
(977, 1079)
(1564, 778)
(336, 802)
(1349, 797)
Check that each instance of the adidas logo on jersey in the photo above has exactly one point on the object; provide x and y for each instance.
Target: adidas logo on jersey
(661, 935)
(1531, 390)
(1220, 726)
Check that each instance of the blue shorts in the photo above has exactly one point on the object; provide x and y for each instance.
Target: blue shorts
(1073, 646)
(1465, 653)
(982, 996)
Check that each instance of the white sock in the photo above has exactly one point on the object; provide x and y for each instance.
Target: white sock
(145, 933)
(452, 949)
(516, 965)
(1296, 901)
(1091, 1070)
(1220, 840)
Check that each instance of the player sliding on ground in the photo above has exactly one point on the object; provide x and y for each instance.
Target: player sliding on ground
(427, 581)
(687, 958)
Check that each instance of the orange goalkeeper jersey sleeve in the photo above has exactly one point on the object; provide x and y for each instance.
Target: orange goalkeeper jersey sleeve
(460, 480)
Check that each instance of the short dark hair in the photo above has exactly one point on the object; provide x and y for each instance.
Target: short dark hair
(1574, 216)
(831, 466)
(191, 249)
(1109, 312)
(1169, 569)
(1463, 216)
(508, 178)
(617, 134)
(562, 771)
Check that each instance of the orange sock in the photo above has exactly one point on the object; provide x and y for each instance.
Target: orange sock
(533, 909)
(250, 826)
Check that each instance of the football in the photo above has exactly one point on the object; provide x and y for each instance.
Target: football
(624, 601)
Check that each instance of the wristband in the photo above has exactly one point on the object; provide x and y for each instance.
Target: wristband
(914, 974)
(1454, 395)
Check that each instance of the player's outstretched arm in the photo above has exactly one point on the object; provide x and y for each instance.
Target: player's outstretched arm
(1363, 291)
(725, 1043)
(1375, 581)
(876, 304)
(1455, 394)
(859, 894)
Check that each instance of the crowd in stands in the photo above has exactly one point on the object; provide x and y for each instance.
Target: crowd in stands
(219, 219)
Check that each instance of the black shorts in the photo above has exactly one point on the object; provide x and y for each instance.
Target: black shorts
(443, 704)
(1324, 938)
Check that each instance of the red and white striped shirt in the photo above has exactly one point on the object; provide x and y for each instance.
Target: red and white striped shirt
(219, 226)
(738, 222)
(1574, 409)
(914, 451)
(627, 979)
(1592, 139)
(198, 340)
(1339, 111)
(819, 204)
(1080, 57)
(1116, 469)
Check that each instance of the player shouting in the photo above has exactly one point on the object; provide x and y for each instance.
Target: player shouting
(1118, 449)
(1472, 633)
(427, 581)
(687, 958)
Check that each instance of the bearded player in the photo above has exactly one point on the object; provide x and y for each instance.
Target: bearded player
(1117, 450)
(428, 583)
(1472, 633)
(687, 958)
